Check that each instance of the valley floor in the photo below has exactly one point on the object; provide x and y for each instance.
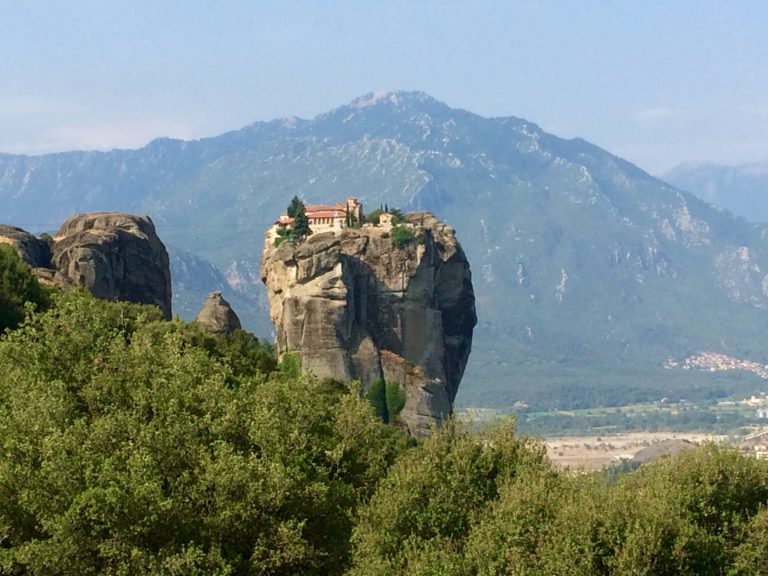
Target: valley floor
(596, 452)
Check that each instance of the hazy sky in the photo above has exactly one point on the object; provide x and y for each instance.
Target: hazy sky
(656, 82)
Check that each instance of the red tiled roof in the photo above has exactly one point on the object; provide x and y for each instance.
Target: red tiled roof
(322, 207)
(325, 214)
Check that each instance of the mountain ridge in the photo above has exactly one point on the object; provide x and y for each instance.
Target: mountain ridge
(589, 272)
(741, 189)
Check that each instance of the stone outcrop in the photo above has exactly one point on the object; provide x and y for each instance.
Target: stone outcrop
(115, 256)
(217, 316)
(355, 306)
(34, 251)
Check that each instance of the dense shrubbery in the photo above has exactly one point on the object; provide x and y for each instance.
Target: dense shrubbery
(131, 445)
(387, 399)
(136, 446)
(402, 236)
(17, 287)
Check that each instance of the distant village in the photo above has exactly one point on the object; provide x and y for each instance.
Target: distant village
(715, 362)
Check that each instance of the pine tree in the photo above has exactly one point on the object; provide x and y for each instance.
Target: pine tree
(300, 228)
(294, 206)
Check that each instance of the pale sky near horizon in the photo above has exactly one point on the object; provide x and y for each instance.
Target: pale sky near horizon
(656, 82)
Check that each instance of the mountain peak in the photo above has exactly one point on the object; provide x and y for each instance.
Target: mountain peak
(398, 102)
(392, 98)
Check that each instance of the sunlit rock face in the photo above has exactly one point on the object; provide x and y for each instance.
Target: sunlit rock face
(116, 256)
(34, 251)
(217, 316)
(356, 307)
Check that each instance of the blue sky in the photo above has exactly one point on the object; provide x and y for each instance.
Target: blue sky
(655, 82)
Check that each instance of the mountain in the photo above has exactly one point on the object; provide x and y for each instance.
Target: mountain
(741, 189)
(592, 278)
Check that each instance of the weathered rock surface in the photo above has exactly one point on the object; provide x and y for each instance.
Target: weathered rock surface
(116, 256)
(34, 251)
(217, 316)
(356, 307)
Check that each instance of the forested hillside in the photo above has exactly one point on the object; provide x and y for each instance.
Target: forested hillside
(133, 445)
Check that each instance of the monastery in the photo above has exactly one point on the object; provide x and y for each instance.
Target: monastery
(327, 217)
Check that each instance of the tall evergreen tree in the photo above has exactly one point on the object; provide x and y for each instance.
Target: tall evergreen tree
(300, 228)
(294, 207)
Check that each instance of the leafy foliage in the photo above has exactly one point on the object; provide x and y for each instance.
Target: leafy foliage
(17, 287)
(374, 215)
(135, 446)
(402, 236)
(427, 504)
(132, 445)
(395, 397)
(296, 206)
(283, 234)
(397, 215)
(300, 229)
(387, 399)
(290, 364)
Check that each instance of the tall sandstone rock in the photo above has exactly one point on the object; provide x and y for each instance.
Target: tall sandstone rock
(354, 306)
(34, 251)
(115, 256)
(217, 316)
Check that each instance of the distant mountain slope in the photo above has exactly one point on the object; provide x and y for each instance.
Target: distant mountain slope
(741, 189)
(589, 273)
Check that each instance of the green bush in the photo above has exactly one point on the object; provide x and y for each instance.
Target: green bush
(373, 217)
(387, 399)
(377, 396)
(397, 216)
(395, 397)
(421, 514)
(283, 234)
(17, 287)
(290, 364)
(402, 236)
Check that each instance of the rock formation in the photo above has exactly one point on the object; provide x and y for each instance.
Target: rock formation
(217, 315)
(354, 306)
(34, 251)
(116, 256)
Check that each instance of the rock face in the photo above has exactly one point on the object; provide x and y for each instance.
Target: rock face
(116, 256)
(34, 251)
(354, 306)
(217, 316)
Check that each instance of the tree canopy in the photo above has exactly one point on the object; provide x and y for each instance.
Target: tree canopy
(17, 288)
(300, 228)
(133, 445)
